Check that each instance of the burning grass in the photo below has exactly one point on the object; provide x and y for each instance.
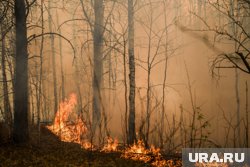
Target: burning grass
(139, 152)
(69, 127)
(69, 130)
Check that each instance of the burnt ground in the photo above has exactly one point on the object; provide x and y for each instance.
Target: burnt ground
(51, 152)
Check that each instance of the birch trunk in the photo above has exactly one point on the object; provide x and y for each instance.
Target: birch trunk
(131, 118)
(98, 64)
(52, 41)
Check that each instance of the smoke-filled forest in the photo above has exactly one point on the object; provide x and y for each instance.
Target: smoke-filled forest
(122, 82)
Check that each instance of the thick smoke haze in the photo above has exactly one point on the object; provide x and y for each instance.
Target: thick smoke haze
(167, 29)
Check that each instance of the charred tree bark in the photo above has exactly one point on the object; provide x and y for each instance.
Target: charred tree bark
(131, 119)
(98, 64)
(20, 131)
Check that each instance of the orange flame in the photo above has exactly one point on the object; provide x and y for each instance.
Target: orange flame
(138, 152)
(70, 128)
(67, 128)
(111, 145)
(87, 145)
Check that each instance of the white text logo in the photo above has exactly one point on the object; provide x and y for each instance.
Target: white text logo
(214, 157)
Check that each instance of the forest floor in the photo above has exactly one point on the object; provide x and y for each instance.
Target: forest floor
(51, 152)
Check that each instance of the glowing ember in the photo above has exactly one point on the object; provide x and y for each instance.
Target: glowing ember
(111, 145)
(87, 145)
(67, 125)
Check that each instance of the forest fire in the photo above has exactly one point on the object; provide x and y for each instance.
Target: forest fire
(70, 128)
(67, 125)
(75, 74)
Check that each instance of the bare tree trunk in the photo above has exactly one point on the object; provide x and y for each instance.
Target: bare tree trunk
(247, 119)
(164, 79)
(131, 119)
(125, 91)
(6, 103)
(191, 8)
(52, 40)
(182, 130)
(32, 87)
(193, 123)
(205, 9)
(41, 76)
(234, 31)
(199, 11)
(98, 63)
(149, 68)
(76, 69)
(61, 60)
(148, 107)
(237, 105)
(20, 131)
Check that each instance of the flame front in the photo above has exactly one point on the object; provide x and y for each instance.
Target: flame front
(70, 128)
(67, 124)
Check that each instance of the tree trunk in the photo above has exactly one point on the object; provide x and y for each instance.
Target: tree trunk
(39, 104)
(76, 69)
(6, 103)
(125, 92)
(162, 129)
(247, 119)
(148, 105)
(61, 60)
(53, 58)
(237, 96)
(98, 65)
(20, 131)
(131, 119)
